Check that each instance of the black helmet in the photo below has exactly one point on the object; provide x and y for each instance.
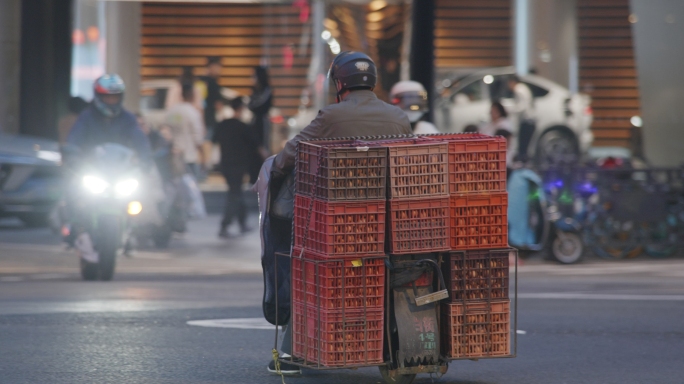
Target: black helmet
(353, 70)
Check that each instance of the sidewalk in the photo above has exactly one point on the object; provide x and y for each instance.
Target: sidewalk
(197, 252)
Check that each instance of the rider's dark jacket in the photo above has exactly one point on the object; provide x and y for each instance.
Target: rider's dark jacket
(361, 113)
(93, 128)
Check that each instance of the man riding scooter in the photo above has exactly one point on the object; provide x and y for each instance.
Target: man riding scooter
(412, 98)
(105, 121)
(358, 112)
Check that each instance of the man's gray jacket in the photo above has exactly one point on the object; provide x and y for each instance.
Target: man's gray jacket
(361, 113)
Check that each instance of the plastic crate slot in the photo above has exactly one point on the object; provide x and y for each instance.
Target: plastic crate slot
(337, 339)
(479, 221)
(476, 329)
(340, 228)
(419, 225)
(345, 173)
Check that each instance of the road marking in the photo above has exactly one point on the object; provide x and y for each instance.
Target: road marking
(600, 296)
(521, 332)
(11, 279)
(50, 276)
(244, 323)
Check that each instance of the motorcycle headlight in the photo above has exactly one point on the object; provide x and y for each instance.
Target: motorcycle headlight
(94, 184)
(126, 187)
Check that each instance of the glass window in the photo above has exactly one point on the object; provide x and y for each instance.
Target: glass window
(152, 99)
(469, 93)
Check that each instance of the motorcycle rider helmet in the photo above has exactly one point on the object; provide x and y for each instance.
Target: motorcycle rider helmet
(109, 85)
(352, 70)
(411, 97)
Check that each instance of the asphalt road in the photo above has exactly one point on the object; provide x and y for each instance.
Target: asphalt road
(592, 323)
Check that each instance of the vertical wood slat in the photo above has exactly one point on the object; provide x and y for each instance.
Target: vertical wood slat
(178, 34)
(473, 33)
(607, 68)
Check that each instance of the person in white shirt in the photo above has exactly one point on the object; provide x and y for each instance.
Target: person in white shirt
(499, 120)
(187, 128)
(500, 125)
(412, 98)
(523, 107)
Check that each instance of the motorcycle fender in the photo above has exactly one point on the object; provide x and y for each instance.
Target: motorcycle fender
(567, 224)
(417, 327)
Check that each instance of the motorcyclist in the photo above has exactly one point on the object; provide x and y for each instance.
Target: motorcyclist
(358, 112)
(106, 121)
(412, 98)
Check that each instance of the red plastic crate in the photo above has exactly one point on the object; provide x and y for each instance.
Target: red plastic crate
(476, 330)
(348, 171)
(418, 168)
(419, 226)
(337, 338)
(477, 163)
(477, 275)
(338, 228)
(343, 284)
(479, 221)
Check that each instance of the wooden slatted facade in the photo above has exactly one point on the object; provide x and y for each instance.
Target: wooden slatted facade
(473, 33)
(607, 68)
(244, 35)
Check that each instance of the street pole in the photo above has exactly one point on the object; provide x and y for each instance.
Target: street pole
(422, 47)
(10, 37)
(317, 67)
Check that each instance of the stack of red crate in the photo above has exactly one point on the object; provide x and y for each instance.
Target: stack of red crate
(476, 321)
(418, 196)
(338, 260)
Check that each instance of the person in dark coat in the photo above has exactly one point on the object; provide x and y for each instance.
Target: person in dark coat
(260, 104)
(213, 94)
(237, 145)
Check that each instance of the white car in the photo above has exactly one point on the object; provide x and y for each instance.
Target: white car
(564, 119)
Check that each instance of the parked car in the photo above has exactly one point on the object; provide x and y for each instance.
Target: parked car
(563, 118)
(30, 178)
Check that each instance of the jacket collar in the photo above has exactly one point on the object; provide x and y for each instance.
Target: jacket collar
(360, 95)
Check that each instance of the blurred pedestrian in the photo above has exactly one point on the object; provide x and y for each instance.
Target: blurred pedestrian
(260, 105)
(499, 120)
(471, 128)
(212, 93)
(187, 129)
(76, 105)
(523, 108)
(175, 91)
(237, 145)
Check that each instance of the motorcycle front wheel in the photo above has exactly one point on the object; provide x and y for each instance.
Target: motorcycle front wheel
(109, 239)
(398, 379)
(567, 248)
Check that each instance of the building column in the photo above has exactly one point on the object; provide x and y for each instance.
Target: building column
(422, 47)
(658, 32)
(123, 34)
(45, 65)
(521, 36)
(10, 32)
(553, 41)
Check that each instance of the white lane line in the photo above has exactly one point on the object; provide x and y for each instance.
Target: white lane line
(11, 279)
(600, 296)
(50, 276)
(244, 323)
(521, 332)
